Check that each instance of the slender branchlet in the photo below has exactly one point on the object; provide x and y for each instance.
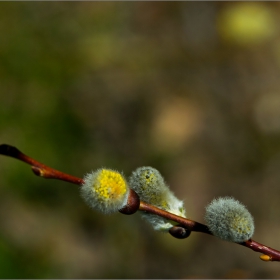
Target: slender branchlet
(183, 228)
(38, 168)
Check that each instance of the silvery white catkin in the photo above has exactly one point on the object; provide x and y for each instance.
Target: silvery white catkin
(148, 183)
(229, 220)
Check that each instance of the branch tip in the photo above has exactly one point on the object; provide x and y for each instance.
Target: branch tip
(8, 150)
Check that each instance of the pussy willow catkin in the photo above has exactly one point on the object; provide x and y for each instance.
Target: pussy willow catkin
(229, 220)
(148, 183)
(105, 190)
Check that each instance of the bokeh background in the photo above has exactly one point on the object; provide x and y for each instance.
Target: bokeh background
(190, 88)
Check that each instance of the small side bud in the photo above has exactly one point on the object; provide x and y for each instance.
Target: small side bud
(148, 183)
(132, 204)
(37, 171)
(105, 190)
(179, 232)
(229, 220)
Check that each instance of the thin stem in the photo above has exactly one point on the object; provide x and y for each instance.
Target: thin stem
(44, 171)
(189, 224)
(38, 168)
(270, 253)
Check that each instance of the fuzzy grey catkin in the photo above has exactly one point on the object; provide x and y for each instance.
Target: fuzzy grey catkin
(148, 183)
(229, 220)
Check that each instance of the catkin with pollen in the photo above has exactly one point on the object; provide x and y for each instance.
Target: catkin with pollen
(148, 183)
(105, 190)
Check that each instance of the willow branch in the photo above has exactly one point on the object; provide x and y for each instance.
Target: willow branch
(186, 223)
(39, 169)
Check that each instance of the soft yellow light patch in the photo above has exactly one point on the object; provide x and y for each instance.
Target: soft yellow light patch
(247, 23)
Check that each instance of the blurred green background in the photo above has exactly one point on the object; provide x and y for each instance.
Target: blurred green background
(190, 88)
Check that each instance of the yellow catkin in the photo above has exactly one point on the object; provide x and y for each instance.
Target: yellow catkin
(105, 190)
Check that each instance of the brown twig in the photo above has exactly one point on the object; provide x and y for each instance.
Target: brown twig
(39, 169)
(186, 223)
(269, 254)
